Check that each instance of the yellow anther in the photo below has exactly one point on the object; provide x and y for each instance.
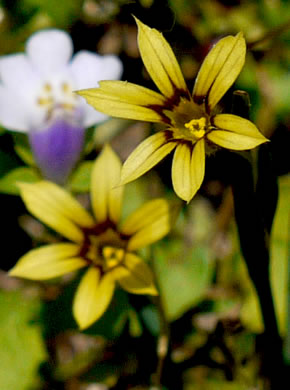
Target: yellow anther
(45, 101)
(66, 88)
(199, 133)
(67, 106)
(197, 127)
(47, 87)
(113, 256)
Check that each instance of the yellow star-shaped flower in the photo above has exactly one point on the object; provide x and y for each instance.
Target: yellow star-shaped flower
(101, 242)
(192, 124)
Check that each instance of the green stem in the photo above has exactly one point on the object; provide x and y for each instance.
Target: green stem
(287, 341)
(255, 195)
(254, 241)
(163, 339)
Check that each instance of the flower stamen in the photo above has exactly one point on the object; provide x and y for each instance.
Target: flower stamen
(113, 256)
(66, 88)
(58, 98)
(45, 101)
(47, 87)
(197, 127)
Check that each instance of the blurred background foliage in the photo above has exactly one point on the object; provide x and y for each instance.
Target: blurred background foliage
(206, 296)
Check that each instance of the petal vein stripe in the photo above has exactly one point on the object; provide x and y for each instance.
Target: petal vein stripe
(146, 156)
(159, 60)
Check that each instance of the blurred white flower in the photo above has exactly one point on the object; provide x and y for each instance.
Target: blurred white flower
(36, 97)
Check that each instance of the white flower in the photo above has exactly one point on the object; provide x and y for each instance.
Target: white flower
(36, 97)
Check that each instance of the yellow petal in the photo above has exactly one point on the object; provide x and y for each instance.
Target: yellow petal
(92, 297)
(135, 276)
(159, 60)
(198, 165)
(124, 100)
(149, 223)
(146, 156)
(106, 193)
(235, 133)
(181, 172)
(48, 262)
(145, 215)
(130, 93)
(220, 69)
(188, 169)
(56, 208)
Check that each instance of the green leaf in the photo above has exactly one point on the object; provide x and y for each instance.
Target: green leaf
(22, 148)
(250, 313)
(279, 252)
(80, 180)
(8, 183)
(151, 319)
(183, 277)
(24, 152)
(135, 327)
(22, 347)
(61, 12)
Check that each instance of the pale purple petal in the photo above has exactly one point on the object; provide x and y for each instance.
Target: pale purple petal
(18, 93)
(91, 116)
(112, 68)
(49, 50)
(57, 148)
(14, 110)
(26, 78)
(16, 72)
(88, 68)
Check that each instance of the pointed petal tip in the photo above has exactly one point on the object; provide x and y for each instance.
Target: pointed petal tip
(136, 19)
(153, 291)
(48, 262)
(220, 68)
(135, 276)
(122, 99)
(236, 133)
(124, 179)
(16, 272)
(188, 169)
(79, 92)
(13, 272)
(87, 92)
(143, 26)
(241, 38)
(92, 297)
(109, 153)
(106, 193)
(84, 92)
(139, 23)
(159, 60)
(82, 325)
(186, 198)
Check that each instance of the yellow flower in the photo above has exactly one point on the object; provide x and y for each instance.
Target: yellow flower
(102, 243)
(192, 122)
